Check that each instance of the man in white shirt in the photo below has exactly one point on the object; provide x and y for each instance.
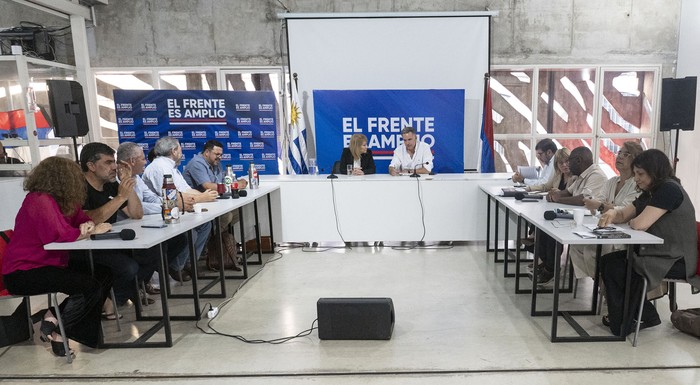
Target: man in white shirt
(544, 150)
(412, 155)
(168, 156)
(132, 154)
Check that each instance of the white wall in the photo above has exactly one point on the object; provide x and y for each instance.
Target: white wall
(11, 196)
(689, 65)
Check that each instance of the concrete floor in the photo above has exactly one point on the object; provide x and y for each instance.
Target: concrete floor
(457, 322)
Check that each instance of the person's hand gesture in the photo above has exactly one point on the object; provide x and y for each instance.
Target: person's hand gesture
(124, 171)
(102, 228)
(87, 228)
(126, 186)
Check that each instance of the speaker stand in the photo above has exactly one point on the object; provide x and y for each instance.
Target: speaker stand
(75, 149)
(675, 151)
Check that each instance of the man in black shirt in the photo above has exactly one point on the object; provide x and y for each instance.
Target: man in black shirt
(105, 197)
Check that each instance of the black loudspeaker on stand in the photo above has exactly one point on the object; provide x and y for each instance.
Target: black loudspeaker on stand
(678, 107)
(355, 318)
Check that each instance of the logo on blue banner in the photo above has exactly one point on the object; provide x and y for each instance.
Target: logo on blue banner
(436, 115)
(193, 117)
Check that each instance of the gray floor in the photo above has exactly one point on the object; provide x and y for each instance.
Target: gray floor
(457, 321)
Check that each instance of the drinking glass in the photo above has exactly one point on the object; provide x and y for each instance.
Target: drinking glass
(349, 169)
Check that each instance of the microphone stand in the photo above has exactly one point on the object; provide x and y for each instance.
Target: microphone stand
(415, 174)
(332, 175)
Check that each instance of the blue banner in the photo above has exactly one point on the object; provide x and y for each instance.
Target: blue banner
(437, 116)
(245, 122)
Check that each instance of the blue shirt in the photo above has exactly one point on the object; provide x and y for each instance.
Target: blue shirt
(198, 171)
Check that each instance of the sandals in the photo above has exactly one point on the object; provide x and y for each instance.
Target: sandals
(111, 316)
(48, 326)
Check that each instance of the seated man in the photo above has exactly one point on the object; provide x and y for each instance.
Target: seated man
(412, 155)
(589, 183)
(131, 154)
(168, 156)
(203, 173)
(545, 150)
(106, 197)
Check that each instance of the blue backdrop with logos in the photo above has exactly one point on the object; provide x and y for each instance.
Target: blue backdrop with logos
(437, 116)
(245, 122)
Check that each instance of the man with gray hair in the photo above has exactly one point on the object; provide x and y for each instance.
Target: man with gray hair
(168, 156)
(412, 155)
(132, 154)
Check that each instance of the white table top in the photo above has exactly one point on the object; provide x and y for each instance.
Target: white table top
(533, 212)
(383, 177)
(146, 238)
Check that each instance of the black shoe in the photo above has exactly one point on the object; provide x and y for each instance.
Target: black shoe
(544, 276)
(59, 349)
(649, 323)
(174, 274)
(150, 289)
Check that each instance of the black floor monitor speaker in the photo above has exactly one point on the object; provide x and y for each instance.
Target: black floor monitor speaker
(355, 318)
(678, 104)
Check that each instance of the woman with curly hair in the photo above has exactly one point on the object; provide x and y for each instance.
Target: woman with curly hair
(51, 212)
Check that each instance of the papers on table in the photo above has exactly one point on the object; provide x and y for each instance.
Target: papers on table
(528, 172)
(610, 232)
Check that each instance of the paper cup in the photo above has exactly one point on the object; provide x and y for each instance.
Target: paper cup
(578, 216)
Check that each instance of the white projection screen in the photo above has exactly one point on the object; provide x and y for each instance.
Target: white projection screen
(392, 51)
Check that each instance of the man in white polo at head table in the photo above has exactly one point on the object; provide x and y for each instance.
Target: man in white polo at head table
(412, 155)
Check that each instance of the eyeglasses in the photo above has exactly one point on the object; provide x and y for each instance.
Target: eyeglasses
(539, 153)
(624, 154)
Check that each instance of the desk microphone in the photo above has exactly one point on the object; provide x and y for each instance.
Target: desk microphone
(125, 234)
(554, 214)
(527, 197)
(415, 174)
(332, 174)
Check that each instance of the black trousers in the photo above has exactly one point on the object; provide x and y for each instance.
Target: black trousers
(82, 308)
(613, 268)
(546, 249)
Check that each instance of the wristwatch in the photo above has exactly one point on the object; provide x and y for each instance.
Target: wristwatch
(601, 207)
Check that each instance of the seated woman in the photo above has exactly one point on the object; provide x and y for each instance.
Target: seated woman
(51, 213)
(664, 210)
(561, 179)
(358, 156)
(619, 192)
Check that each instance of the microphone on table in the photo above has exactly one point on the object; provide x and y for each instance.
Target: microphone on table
(125, 234)
(554, 214)
(415, 174)
(527, 197)
(332, 174)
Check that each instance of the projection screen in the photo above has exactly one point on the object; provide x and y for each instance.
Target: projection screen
(392, 51)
